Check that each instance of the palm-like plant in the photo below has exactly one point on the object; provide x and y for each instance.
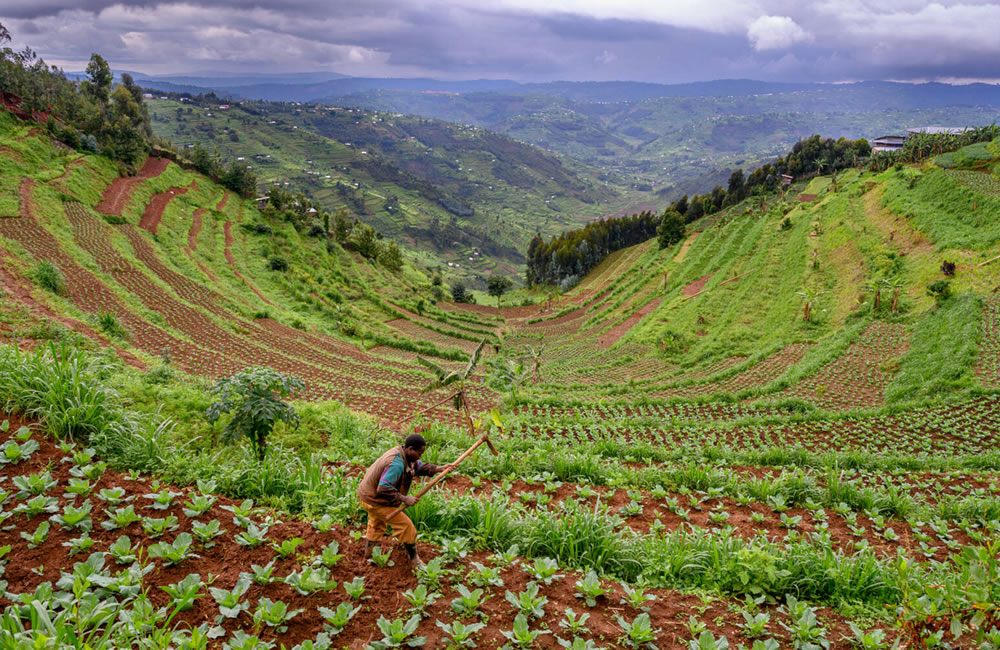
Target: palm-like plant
(809, 296)
(445, 378)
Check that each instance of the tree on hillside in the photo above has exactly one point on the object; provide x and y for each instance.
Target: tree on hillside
(98, 86)
(341, 226)
(390, 257)
(255, 398)
(671, 228)
(497, 285)
(458, 293)
(124, 133)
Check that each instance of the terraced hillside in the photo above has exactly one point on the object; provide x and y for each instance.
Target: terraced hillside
(686, 451)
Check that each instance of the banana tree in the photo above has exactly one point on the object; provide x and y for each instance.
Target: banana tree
(810, 296)
(874, 287)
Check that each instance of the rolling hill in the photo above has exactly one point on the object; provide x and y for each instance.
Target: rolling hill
(783, 427)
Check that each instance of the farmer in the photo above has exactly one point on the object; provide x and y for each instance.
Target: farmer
(385, 486)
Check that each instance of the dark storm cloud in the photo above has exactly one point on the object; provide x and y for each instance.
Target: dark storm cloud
(680, 40)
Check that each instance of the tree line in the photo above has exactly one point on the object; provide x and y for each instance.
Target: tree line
(567, 257)
(920, 146)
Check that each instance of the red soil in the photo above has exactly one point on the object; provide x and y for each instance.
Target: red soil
(195, 229)
(222, 203)
(612, 336)
(807, 198)
(695, 286)
(158, 203)
(117, 194)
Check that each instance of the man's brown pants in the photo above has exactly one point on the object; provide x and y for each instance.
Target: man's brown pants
(402, 528)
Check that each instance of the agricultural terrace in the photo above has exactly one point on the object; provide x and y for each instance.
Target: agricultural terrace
(772, 434)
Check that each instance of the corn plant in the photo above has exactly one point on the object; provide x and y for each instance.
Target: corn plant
(207, 532)
(468, 602)
(420, 598)
(544, 570)
(459, 635)
(230, 601)
(528, 602)
(288, 547)
(310, 580)
(198, 505)
(355, 589)
(121, 517)
(184, 593)
(398, 633)
(33, 484)
(273, 614)
(174, 553)
(337, 619)
(521, 635)
(639, 633)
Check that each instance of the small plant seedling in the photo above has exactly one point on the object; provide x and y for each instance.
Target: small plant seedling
(707, 641)
(184, 593)
(432, 573)
(324, 524)
(288, 547)
(637, 598)
(162, 499)
(123, 552)
(380, 558)
(156, 527)
(544, 570)
(262, 575)
(589, 588)
(398, 633)
(469, 601)
(273, 613)
(337, 619)
(38, 537)
(528, 602)
(522, 636)
(639, 633)
(456, 549)
(755, 624)
(230, 601)
(484, 576)
(310, 580)
(355, 588)
(174, 553)
(253, 536)
(207, 532)
(460, 635)
(330, 555)
(420, 598)
(198, 505)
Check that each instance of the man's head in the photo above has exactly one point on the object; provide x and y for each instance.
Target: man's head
(414, 447)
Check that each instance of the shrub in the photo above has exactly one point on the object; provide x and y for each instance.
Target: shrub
(948, 268)
(47, 276)
(940, 290)
(458, 292)
(277, 264)
(109, 324)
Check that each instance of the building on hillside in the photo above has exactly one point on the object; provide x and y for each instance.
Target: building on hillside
(786, 180)
(261, 202)
(888, 143)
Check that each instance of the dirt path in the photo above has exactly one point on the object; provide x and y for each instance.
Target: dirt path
(158, 203)
(612, 336)
(117, 194)
(695, 286)
(222, 203)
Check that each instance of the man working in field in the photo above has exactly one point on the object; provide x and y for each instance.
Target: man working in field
(385, 486)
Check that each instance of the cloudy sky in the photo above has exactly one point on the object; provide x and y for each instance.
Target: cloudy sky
(665, 41)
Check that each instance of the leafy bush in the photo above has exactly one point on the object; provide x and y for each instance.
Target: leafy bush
(48, 277)
(277, 264)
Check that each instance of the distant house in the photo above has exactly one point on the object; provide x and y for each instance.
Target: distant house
(261, 202)
(147, 95)
(888, 143)
(786, 180)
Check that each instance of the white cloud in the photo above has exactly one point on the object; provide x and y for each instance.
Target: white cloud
(776, 33)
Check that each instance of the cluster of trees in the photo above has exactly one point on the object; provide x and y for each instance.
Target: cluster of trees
(809, 157)
(566, 258)
(235, 175)
(920, 146)
(309, 218)
(95, 115)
